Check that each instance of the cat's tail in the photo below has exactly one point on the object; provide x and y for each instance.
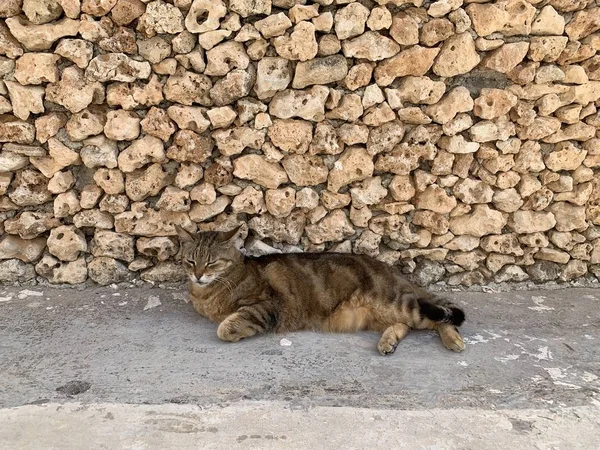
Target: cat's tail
(441, 311)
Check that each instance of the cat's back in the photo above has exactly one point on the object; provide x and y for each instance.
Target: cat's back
(332, 268)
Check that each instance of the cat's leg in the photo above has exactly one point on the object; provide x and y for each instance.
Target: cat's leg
(450, 336)
(247, 321)
(391, 337)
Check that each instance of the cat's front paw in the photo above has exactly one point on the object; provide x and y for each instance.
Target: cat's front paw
(387, 347)
(227, 333)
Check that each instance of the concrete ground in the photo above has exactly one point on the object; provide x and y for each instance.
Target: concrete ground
(139, 369)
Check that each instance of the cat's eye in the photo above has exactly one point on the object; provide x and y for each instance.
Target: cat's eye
(191, 262)
(212, 264)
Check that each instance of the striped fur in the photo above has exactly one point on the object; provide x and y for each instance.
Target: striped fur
(322, 292)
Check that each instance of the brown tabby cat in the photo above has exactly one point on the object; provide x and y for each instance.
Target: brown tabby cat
(304, 291)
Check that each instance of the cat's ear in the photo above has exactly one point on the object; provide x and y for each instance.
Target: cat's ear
(229, 236)
(184, 236)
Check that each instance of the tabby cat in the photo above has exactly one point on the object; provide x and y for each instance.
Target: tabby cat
(306, 291)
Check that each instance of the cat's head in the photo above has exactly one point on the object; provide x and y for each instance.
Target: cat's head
(208, 255)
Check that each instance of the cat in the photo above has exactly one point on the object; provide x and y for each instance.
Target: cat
(332, 292)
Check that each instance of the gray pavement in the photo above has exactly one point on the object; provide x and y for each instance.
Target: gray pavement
(71, 361)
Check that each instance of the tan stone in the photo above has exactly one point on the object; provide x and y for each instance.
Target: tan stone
(569, 217)
(300, 45)
(25, 100)
(201, 213)
(480, 222)
(583, 24)
(458, 100)
(548, 22)
(509, 17)
(144, 183)
(247, 8)
(280, 202)
(234, 140)
(122, 125)
(161, 248)
(26, 250)
(493, 103)
(507, 57)
(531, 221)
(273, 25)
(320, 71)
(272, 75)
(415, 61)
(471, 191)
(41, 37)
(189, 117)
(507, 200)
(58, 272)
(160, 18)
(305, 104)
(565, 157)
(458, 56)
(435, 199)
(157, 123)
(187, 88)
(257, 169)
(66, 242)
(334, 227)
(126, 11)
(355, 164)
(348, 109)
(350, 21)
(292, 136)
(73, 91)
(404, 29)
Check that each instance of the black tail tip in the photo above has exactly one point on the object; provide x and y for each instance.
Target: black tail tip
(458, 316)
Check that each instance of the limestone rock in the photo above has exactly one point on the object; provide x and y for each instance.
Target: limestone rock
(26, 250)
(272, 75)
(73, 91)
(456, 101)
(371, 46)
(25, 100)
(415, 61)
(435, 199)
(471, 191)
(116, 67)
(458, 56)
(354, 165)
(350, 21)
(334, 227)
(531, 221)
(37, 68)
(235, 85)
(201, 213)
(507, 57)
(493, 103)
(305, 104)
(147, 182)
(15, 271)
(141, 152)
(105, 271)
(509, 17)
(234, 140)
(66, 242)
(291, 136)
(205, 15)
(480, 222)
(160, 18)
(76, 50)
(300, 45)
(257, 169)
(320, 71)
(41, 37)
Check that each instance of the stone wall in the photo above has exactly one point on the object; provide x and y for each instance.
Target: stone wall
(457, 138)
